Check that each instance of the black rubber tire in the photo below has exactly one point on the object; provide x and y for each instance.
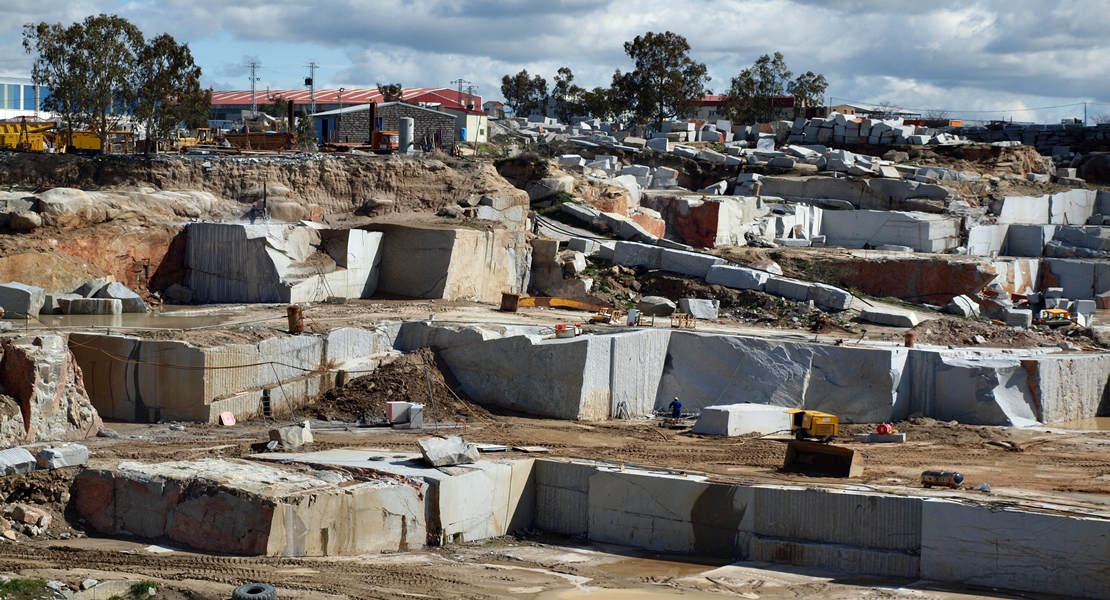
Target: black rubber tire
(254, 591)
(800, 435)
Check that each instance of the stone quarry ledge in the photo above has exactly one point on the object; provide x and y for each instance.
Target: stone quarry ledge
(240, 507)
(462, 503)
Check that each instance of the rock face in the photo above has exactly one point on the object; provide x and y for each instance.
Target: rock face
(44, 391)
(452, 263)
(279, 263)
(929, 281)
(236, 508)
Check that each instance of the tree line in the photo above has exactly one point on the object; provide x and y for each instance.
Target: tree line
(666, 82)
(102, 71)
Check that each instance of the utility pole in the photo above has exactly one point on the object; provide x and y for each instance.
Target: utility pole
(470, 96)
(339, 129)
(254, 81)
(1084, 114)
(311, 83)
(461, 82)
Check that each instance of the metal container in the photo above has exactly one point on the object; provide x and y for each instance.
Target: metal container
(941, 478)
(296, 318)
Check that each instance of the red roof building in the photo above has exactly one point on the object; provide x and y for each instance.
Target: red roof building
(228, 105)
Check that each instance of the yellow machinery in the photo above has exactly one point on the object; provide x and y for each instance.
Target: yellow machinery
(813, 424)
(88, 142)
(1055, 317)
(818, 458)
(24, 136)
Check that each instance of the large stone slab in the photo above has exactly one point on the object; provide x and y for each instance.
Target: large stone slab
(463, 503)
(983, 391)
(90, 306)
(14, 461)
(788, 288)
(631, 254)
(671, 513)
(830, 297)
(707, 310)
(21, 301)
(739, 278)
(705, 370)
(452, 263)
(129, 300)
(637, 359)
(733, 420)
(688, 263)
(563, 495)
(869, 228)
(860, 385)
(891, 317)
(242, 508)
(561, 378)
(1009, 549)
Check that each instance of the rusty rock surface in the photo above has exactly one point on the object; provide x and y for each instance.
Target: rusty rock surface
(44, 392)
(929, 281)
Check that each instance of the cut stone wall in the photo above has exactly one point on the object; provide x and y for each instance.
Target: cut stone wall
(136, 379)
(246, 508)
(452, 263)
(279, 263)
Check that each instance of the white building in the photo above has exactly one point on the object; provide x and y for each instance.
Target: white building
(20, 98)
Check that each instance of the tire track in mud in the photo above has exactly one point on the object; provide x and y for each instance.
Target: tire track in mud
(349, 577)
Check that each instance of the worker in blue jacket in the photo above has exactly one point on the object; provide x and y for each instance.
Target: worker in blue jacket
(676, 408)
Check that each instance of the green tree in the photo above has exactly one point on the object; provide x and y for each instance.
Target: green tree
(168, 90)
(306, 133)
(752, 94)
(598, 103)
(665, 83)
(90, 68)
(755, 94)
(567, 95)
(391, 92)
(523, 93)
(808, 90)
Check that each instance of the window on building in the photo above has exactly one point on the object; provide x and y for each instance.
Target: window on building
(44, 93)
(29, 98)
(13, 99)
(481, 132)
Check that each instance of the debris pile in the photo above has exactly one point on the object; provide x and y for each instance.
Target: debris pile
(364, 399)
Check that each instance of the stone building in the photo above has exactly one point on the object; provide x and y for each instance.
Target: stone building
(352, 123)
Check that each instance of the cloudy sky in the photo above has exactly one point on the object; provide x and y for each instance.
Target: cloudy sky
(979, 59)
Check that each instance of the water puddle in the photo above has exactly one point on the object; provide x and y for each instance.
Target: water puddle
(163, 319)
(1094, 423)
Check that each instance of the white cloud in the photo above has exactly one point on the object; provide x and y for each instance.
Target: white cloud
(956, 54)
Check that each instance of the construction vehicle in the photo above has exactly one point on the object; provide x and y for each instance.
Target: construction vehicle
(1055, 317)
(24, 136)
(820, 458)
(88, 142)
(385, 142)
(813, 424)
